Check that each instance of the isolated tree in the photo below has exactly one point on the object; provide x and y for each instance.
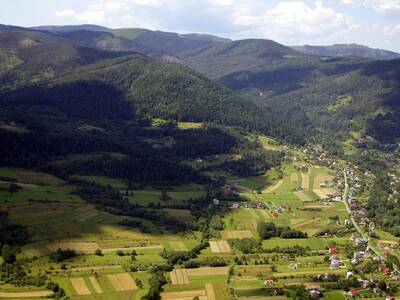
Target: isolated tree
(8, 254)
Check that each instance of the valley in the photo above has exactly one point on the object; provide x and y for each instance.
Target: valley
(115, 256)
(139, 164)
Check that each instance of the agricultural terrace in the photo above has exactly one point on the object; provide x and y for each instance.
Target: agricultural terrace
(114, 257)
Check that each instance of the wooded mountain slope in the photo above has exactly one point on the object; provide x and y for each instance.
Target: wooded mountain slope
(341, 50)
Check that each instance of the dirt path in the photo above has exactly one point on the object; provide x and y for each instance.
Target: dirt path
(273, 187)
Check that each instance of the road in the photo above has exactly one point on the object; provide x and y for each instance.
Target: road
(352, 219)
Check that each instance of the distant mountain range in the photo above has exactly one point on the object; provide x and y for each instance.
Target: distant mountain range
(271, 87)
(342, 50)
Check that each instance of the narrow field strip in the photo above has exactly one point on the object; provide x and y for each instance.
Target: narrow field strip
(214, 247)
(88, 216)
(80, 286)
(254, 223)
(305, 181)
(95, 268)
(152, 247)
(178, 246)
(224, 247)
(96, 285)
(84, 247)
(205, 271)
(271, 188)
(220, 247)
(19, 295)
(321, 194)
(174, 278)
(236, 234)
(122, 282)
(302, 196)
(183, 295)
(179, 276)
(210, 291)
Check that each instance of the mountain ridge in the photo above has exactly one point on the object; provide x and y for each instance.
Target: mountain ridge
(342, 50)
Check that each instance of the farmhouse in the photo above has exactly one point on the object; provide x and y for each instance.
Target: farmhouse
(335, 264)
(235, 205)
(216, 201)
(387, 271)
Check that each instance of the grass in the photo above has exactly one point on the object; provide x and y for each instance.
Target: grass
(177, 195)
(335, 295)
(189, 125)
(253, 183)
(313, 243)
(64, 220)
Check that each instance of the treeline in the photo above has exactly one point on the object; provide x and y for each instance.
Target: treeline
(144, 154)
(12, 234)
(253, 162)
(111, 200)
(267, 230)
(382, 207)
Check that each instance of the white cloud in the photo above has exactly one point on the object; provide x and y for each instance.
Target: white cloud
(387, 7)
(94, 13)
(152, 3)
(290, 21)
(286, 21)
(89, 16)
(392, 31)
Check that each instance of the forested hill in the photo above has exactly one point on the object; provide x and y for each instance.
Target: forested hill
(342, 50)
(157, 44)
(68, 109)
(45, 71)
(302, 96)
(28, 56)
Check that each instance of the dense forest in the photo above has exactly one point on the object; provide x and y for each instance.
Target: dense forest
(304, 96)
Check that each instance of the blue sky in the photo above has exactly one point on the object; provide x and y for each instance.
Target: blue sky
(374, 23)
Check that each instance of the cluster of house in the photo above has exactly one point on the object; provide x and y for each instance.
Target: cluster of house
(359, 256)
(280, 210)
(236, 205)
(390, 147)
(335, 262)
(394, 184)
(388, 245)
(357, 241)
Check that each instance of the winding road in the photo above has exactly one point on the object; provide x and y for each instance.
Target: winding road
(362, 234)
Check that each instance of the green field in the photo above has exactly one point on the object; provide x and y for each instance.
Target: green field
(58, 218)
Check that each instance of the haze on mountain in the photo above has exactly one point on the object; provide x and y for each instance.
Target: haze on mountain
(342, 50)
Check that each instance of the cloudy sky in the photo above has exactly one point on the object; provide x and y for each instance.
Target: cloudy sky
(375, 23)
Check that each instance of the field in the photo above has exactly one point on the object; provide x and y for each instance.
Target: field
(220, 247)
(59, 219)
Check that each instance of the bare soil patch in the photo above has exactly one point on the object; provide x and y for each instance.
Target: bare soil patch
(122, 282)
(96, 285)
(183, 295)
(179, 276)
(210, 291)
(205, 271)
(220, 247)
(236, 234)
(19, 295)
(80, 286)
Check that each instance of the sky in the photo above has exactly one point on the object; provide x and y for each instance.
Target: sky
(375, 23)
